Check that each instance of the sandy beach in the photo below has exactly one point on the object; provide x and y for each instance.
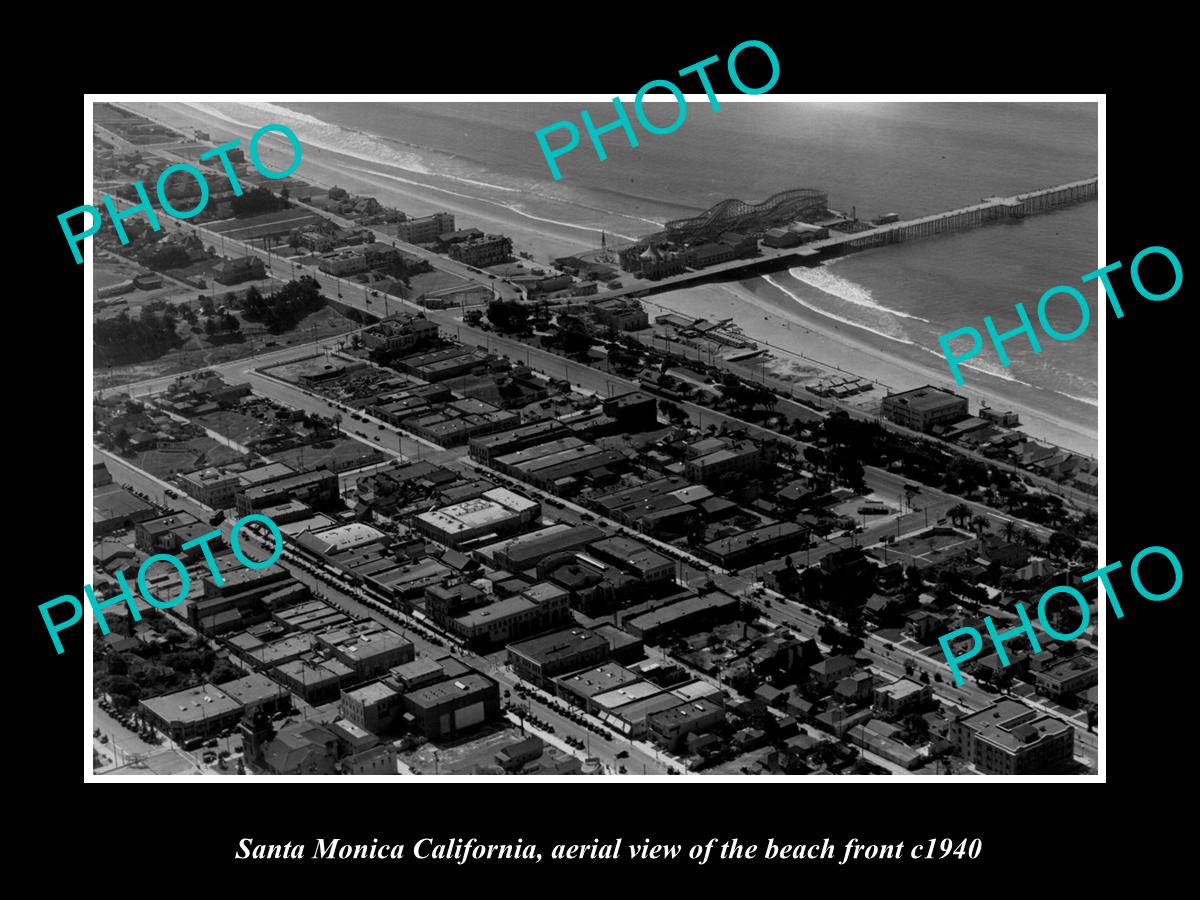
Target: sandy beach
(765, 315)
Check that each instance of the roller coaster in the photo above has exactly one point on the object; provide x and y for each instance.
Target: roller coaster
(738, 215)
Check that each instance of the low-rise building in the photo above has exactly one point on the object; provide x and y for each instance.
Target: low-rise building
(537, 608)
(540, 659)
(213, 487)
(1009, 738)
(488, 250)
(901, 696)
(442, 710)
(669, 727)
(498, 512)
(921, 409)
(375, 707)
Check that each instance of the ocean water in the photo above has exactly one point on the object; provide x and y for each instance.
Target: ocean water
(911, 159)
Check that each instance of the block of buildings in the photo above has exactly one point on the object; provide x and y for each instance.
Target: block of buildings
(540, 659)
(537, 608)
(498, 512)
(684, 616)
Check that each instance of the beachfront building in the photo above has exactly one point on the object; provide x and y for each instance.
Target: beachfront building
(923, 408)
(426, 229)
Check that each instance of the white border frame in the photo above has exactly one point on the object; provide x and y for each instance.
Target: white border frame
(88, 188)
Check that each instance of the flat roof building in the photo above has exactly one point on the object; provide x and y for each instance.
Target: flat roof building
(1009, 738)
(498, 511)
(582, 687)
(444, 709)
(541, 658)
(923, 408)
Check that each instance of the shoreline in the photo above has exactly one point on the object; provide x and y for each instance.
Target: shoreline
(761, 309)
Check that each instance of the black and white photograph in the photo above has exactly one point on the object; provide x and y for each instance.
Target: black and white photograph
(453, 437)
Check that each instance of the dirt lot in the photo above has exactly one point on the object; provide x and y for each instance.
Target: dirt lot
(185, 457)
(346, 453)
(198, 352)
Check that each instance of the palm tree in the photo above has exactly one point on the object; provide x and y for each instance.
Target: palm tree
(1008, 529)
(960, 512)
(980, 525)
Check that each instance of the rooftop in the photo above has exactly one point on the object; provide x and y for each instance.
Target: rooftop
(558, 645)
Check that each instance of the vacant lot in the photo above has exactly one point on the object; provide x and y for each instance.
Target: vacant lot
(339, 455)
(199, 353)
(185, 456)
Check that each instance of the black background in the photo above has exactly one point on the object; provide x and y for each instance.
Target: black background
(1030, 832)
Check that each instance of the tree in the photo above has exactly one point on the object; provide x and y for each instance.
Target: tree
(981, 525)
(509, 316)
(1009, 529)
(959, 513)
(1063, 544)
(223, 672)
(575, 340)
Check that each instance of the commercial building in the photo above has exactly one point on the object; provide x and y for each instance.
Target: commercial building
(367, 648)
(582, 687)
(634, 558)
(744, 456)
(234, 271)
(375, 707)
(634, 411)
(317, 681)
(769, 541)
(426, 229)
(489, 250)
(1068, 676)
(631, 719)
(621, 314)
(444, 709)
(316, 488)
(487, 447)
(161, 535)
(537, 608)
(923, 408)
(684, 616)
(415, 674)
(542, 658)
(212, 487)
(1009, 738)
(114, 508)
(528, 550)
(780, 238)
(196, 712)
(669, 727)
(901, 696)
(400, 332)
(498, 512)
